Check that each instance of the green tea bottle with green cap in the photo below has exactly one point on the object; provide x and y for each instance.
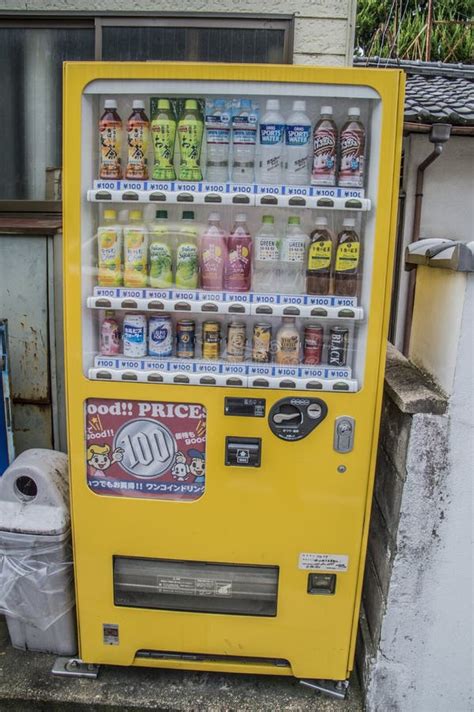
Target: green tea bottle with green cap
(163, 131)
(190, 133)
(187, 260)
(161, 252)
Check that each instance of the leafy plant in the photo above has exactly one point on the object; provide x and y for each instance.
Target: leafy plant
(399, 29)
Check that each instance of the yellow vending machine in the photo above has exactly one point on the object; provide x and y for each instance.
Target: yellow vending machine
(228, 243)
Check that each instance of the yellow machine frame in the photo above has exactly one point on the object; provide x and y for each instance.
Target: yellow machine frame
(242, 518)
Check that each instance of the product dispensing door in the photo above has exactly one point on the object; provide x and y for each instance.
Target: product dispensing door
(229, 237)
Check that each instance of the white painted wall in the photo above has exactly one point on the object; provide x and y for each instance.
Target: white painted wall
(324, 29)
(448, 207)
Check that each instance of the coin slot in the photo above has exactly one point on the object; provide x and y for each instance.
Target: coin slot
(130, 195)
(129, 304)
(103, 303)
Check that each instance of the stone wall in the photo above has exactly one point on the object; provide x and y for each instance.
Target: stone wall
(324, 29)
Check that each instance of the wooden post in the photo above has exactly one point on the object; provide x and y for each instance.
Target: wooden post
(429, 27)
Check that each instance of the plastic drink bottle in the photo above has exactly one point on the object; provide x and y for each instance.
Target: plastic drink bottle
(190, 132)
(217, 140)
(163, 133)
(266, 245)
(213, 254)
(244, 137)
(324, 149)
(297, 143)
(288, 342)
(320, 254)
(187, 261)
(109, 243)
(160, 258)
(293, 258)
(138, 133)
(346, 268)
(110, 335)
(352, 140)
(237, 268)
(110, 141)
(271, 136)
(135, 251)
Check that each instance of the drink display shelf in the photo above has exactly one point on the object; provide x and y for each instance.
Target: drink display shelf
(245, 303)
(252, 194)
(223, 373)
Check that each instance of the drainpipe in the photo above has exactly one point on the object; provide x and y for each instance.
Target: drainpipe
(439, 135)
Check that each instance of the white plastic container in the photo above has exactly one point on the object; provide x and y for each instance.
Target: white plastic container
(271, 137)
(36, 573)
(297, 145)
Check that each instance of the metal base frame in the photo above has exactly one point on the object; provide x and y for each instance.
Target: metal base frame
(74, 667)
(332, 688)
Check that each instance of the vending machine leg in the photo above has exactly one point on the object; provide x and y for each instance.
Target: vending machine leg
(74, 667)
(331, 688)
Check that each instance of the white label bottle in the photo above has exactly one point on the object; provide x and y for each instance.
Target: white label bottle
(266, 257)
(294, 246)
(297, 145)
(271, 136)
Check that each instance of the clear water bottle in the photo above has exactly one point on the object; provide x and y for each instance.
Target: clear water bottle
(298, 145)
(217, 142)
(266, 257)
(293, 258)
(271, 136)
(244, 135)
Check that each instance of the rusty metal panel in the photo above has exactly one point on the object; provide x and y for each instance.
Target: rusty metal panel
(24, 301)
(32, 426)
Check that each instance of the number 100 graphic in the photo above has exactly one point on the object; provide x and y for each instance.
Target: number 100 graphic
(148, 448)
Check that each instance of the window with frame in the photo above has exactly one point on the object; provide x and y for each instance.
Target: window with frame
(33, 48)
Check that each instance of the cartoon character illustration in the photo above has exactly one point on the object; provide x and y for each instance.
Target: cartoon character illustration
(180, 469)
(198, 465)
(99, 459)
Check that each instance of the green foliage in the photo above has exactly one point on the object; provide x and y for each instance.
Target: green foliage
(398, 29)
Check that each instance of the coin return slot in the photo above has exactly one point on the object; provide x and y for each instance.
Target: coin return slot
(155, 378)
(130, 195)
(127, 376)
(103, 303)
(208, 381)
(209, 307)
(104, 375)
(185, 198)
(157, 198)
(182, 306)
(129, 304)
(322, 584)
(181, 379)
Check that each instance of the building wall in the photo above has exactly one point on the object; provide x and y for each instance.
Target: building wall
(447, 211)
(324, 29)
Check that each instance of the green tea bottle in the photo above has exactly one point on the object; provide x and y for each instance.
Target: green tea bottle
(190, 133)
(163, 131)
(160, 252)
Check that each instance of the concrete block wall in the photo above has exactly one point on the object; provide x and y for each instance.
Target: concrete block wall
(324, 29)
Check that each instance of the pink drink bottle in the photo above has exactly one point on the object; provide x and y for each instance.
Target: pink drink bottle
(237, 268)
(212, 254)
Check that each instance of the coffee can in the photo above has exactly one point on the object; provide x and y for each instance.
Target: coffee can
(211, 339)
(236, 341)
(185, 338)
(338, 345)
(261, 342)
(313, 344)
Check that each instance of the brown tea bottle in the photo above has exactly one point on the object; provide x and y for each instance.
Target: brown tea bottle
(320, 256)
(346, 269)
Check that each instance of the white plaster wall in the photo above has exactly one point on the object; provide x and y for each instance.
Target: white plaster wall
(448, 205)
(324, 29)
(436, 326)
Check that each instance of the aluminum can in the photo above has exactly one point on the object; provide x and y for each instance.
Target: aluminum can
(109, 336)
(236, 341)
(185, 338)
(338, 345)
(160, 336)
(261, 342)
(313, 344)
(211, 340)
(134, 335)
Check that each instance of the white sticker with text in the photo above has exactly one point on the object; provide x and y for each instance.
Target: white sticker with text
(324, 562)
